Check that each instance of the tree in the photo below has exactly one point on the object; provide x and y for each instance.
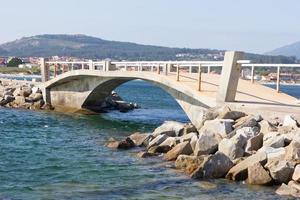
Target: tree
(14, 62)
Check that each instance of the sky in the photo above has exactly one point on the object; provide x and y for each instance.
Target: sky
(254, 26)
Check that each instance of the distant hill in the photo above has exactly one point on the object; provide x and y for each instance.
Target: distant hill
(288, 50)
(83, 46)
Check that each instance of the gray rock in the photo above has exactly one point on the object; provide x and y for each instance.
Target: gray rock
(140, 139)
(234, 115)
(273, 154)
(273, 139)
(281, 170)
(159, 149)
(188, 137)
(240, 171)
(157, 140)
(247, 121)
(286, 190)
(169, 128)
(207, 143)
(218, 126)
(234, 147)
(254, 143)
(188, 128)
(213, 166)
(267, 127)
(170, 141)
(293, 151)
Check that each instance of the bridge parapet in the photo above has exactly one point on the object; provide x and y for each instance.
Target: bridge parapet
(229, 69)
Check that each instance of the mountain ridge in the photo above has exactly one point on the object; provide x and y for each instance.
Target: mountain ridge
(292, 49)
(83, 46)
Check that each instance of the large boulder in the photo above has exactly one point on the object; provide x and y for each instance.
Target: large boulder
(281, 170)
(229, 114)
(187, 163)
(188, 128)
(257, 175)
(35, 97)
(140, 139)
(159, 149)
(254, 143)
(207, 143)
(180, 149)
(240, 171)
(273, 154)
(218, 126)
(290, 122)
(247, 121)
(293, 151)
(25, 91)
(170, 141)
(213, 166)
(267, 127)
(157, 140)
(273, 139)
(296, 174)
(289, 190)
(169, 128)
(233, 147)
(188, 137)
(19, 100)
(213, 113)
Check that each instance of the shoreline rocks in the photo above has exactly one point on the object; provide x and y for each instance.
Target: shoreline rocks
(232, 145)
(23, 95)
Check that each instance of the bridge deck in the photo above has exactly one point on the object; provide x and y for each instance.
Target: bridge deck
(250, 97)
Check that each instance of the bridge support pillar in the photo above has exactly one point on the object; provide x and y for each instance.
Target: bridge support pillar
(229, 77)
(44, 70)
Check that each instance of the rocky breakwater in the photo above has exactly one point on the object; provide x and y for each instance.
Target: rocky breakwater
(22, 94)
(230, 144)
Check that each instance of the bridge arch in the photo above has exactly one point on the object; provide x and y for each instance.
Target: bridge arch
(81, 90)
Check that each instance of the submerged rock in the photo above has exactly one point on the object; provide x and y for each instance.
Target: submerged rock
(188, 163)
(125, 144)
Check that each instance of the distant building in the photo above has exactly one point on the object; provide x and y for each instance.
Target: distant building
(27, 65)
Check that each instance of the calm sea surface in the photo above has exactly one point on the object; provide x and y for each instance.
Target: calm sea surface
(55, 156)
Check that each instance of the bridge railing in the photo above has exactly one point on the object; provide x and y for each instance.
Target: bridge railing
(278, 67)
(177, 68)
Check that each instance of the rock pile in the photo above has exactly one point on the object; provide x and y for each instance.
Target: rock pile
(115, 102)
(233, 145)
(22, 95)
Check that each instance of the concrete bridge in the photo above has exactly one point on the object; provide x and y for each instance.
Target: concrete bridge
(83, 86)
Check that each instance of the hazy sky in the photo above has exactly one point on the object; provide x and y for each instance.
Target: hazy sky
(253, 25)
